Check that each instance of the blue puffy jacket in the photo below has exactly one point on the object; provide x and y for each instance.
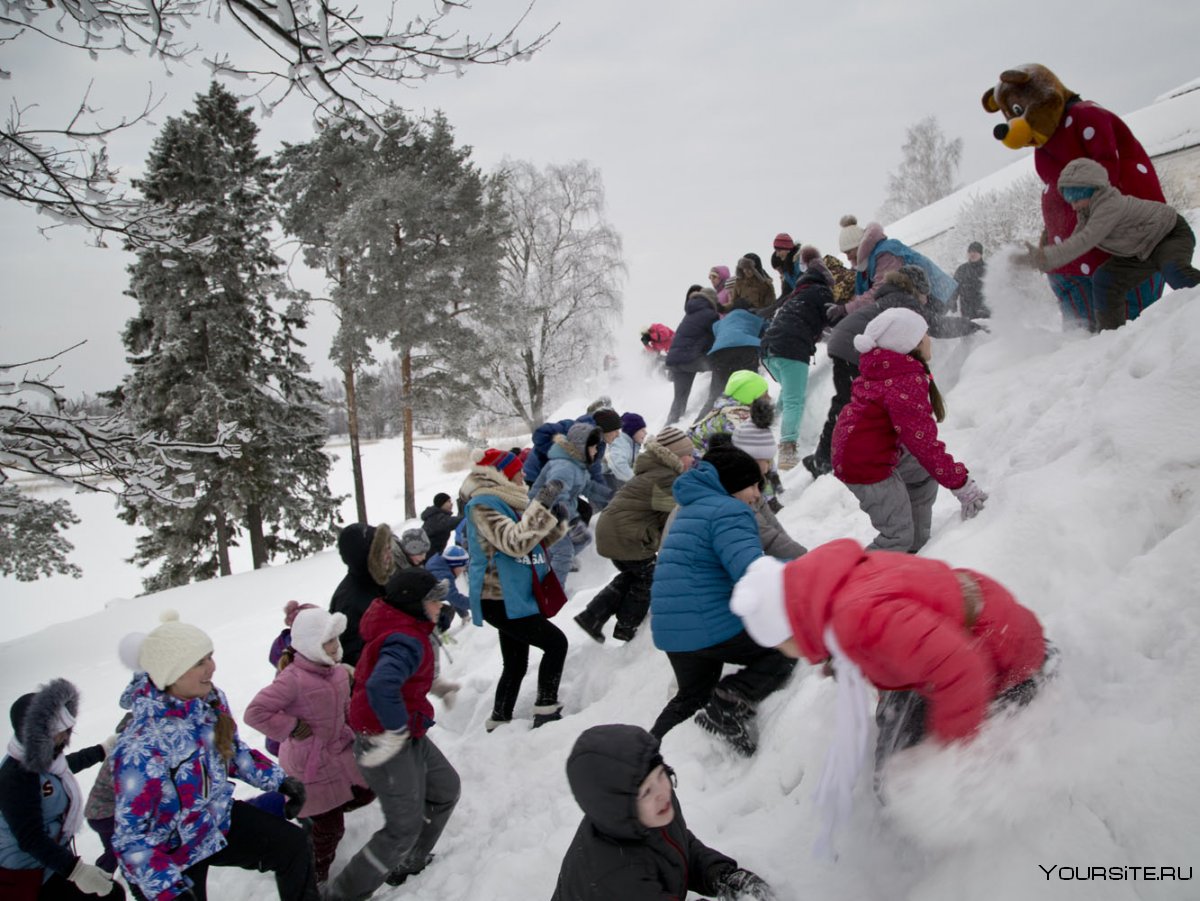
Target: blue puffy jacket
(739, 328)
(543, 440)
(711, 541)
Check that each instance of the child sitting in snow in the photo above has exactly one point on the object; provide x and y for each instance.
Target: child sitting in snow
(304, 711)
(1143, 236)
(885, 445)
(633, 842)
(943, 645)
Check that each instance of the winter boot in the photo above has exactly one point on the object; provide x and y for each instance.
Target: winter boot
(591, 625)
(406, 869)
(494, 722)
(733, 718)
(788, 455)
(624, 633)
(816, 466)
(546, 713)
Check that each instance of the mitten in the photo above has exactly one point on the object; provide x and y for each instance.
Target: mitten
(834, 312)
(971, 496)
(560, 511)
(737, 885)
(109, 743)
(292, 789)
(91, 880)
(302, 731)
(579, 534)
(383, 747)
(549, 492)
(445, 689)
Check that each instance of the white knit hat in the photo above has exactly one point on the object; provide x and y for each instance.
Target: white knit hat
(897, 329)
(168, 652)
(851, 234)
(313, 627)
(758, 442)
(758, 600)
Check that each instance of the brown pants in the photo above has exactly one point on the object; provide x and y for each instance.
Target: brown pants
(1172, 256)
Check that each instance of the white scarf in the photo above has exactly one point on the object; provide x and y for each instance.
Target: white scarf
(73, 817)
(844, 759)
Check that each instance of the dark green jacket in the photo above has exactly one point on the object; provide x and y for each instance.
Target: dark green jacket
(631, 525)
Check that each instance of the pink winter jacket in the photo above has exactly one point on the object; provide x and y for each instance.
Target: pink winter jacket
(906, 622)
(889, 408)
(324, 762)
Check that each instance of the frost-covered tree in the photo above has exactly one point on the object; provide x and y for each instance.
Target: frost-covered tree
(338, 56)
(409, 232)
(215, 342)
(927, 172)
(561, 279)
(1008, 215)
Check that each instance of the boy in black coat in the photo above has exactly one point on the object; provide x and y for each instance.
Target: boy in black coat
(633, 843)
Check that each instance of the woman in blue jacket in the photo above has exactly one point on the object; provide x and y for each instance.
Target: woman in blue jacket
(710, 543)
(735, 347)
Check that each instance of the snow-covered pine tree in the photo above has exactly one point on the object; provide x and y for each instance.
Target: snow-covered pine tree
(210, 346)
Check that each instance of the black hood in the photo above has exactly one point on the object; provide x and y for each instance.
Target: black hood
(606, 767)
(33, 717)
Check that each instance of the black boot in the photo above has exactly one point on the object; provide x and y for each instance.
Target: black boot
(590, 625)
(546, 713)
(624, 633)
(733, 718)
(816, 466)
(406, 869)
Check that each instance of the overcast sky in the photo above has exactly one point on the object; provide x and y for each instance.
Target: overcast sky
(715, 125)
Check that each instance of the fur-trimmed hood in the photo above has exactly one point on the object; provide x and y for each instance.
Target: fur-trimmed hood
(871, 236)
(654, 454)
(364, 549)
(38, 717)
(573, 444)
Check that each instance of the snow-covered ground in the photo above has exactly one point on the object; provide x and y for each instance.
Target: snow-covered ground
(1090, 450)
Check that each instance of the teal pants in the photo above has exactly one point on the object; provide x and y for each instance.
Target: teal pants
(792, 376)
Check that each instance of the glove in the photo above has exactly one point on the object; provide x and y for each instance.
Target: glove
(91, 880)
(549, 492)
(445, 618)
(579, 534)
(971, 496)
(1032, 257)
(736, 885)
(835, 312)
(383, 747)
(560, 511)
(302, 731)
(446, 690)
(292, 789)
(108, 744)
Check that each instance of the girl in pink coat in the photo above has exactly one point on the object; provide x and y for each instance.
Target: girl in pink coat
(305, 710)
(885, 444)
(943, 645)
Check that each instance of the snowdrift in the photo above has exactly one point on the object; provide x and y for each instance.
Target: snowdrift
(1090, 449)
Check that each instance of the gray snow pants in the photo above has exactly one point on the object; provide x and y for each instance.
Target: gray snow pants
(417, 791)
(900, 507)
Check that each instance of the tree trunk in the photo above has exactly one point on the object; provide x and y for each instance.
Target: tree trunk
(258, 544)
(410, 494)
(535, 383)
(360, 497)
(223, 546)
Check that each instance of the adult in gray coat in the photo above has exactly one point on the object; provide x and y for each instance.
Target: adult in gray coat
(1143, 236)
(633, 843)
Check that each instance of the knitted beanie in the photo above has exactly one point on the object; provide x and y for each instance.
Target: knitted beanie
(291, 608)
(632, 423)
(758, 600)
(506, 462)
(975, 247)
(414, 542)
(440, 498)
(675, 441)
(167, 652)
(407, 589)
(455, 556)
(735, 468)
(608, 420)
(783, 241)
(851, 234)
(897, 329)
(745, 386)
(1073, 193)
(758, 442)
(312, 628)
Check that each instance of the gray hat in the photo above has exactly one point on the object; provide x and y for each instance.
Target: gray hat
(758, 442)
(917, 276)
(414, 542)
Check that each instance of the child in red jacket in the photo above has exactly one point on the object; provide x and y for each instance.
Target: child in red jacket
(885, 445)
(942, 645)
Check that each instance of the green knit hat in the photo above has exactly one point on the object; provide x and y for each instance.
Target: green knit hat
(745, 386)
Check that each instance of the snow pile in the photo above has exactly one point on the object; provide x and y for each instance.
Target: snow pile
(1090, 449)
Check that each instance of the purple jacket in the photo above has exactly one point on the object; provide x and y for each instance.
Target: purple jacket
(324, 762)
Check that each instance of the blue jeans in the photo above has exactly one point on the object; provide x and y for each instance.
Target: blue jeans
(792, 376)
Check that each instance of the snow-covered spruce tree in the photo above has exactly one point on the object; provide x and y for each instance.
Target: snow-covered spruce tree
(927, 172)
(30, 543)
(210, 346)
(411, 246)
(561, 278)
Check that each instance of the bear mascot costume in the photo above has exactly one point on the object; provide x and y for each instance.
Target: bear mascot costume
(1041, 113)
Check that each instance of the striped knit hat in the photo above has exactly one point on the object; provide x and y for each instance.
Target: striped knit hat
(675, 441)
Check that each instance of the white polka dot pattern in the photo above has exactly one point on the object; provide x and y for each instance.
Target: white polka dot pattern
(1089, 133)
(1085, 268)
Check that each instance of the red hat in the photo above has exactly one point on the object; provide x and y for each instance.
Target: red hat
(783, 241)
(505, 461)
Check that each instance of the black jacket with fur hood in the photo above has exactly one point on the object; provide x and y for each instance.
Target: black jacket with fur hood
(613, 855)
(365, 550)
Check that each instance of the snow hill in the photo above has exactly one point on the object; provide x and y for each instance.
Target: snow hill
(1090, 449)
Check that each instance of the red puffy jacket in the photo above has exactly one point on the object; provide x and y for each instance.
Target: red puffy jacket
(902, 620)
